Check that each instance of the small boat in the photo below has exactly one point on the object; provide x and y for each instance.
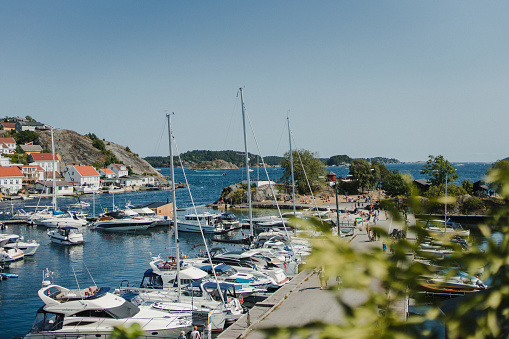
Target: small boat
(15, 241)
(81, 204)
(11, 254)
(208, 222)
(66, 235)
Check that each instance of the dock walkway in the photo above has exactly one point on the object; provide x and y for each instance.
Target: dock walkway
(301, 300)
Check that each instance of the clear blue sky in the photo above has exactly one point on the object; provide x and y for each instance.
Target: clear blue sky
(401, 79)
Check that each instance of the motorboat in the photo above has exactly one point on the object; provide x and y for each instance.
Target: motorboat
(16, 241)
(195, 223)
(247, 262)
(93, 312)
(66, 235)
(145, 212)
(119, 221)
(8, 255)
(249, 283)
(80, 204)
(449, 228)
(61, 219)
(229, 220)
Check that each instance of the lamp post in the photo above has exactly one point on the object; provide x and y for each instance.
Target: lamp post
(336, 188)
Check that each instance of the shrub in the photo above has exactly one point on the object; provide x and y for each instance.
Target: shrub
(472, 204)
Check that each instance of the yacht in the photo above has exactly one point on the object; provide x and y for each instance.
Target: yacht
(66, 235)
(209, 223)
(28, 247)
(10, 254)
(93, 312)
(119, 221)
(64, 219)
(440, 227)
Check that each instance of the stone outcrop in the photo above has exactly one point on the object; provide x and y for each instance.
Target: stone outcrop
(77, 149)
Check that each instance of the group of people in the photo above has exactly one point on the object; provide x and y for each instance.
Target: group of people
(195, 334)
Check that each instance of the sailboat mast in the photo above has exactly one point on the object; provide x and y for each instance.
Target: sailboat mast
(247, 165)
(174, 207)
(291, 165)
(54, 195)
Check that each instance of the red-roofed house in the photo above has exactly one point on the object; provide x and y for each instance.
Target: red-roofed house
(85, 176)
(7, 126)
(45, 160)
(106, 172)
(119, 169)
(7, 145)
(11, 179)
(31, 173)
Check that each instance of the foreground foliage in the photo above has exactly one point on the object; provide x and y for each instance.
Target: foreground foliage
(386, 278)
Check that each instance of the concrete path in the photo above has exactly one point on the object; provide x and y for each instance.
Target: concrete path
(301, 300)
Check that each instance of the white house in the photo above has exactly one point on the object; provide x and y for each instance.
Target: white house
(28, 126)
(31, 173)
(45, 160)
(131, 181)
(106, 173)
(119, 169)
(11, 179)
(4, 162)
(85, 176)
(7, 145)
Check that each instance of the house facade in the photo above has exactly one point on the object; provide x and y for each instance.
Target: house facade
(31, 173)
(106, 173)
(62, 187)
(7, 126)
(7, 145)
(119, 170)
(85, 176)
(11, 180)
(28, 126)
(130, 181)
(31, 148)
(45, 160)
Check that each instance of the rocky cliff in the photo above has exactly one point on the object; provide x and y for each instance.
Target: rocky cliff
(76, 149)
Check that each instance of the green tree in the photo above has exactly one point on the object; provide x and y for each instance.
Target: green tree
(437, 169)
(25, 136)
(306, 167)
(439, 191)
(394, 184)
(363, 174)
(99, 144)
(468, 186)
(29, 118)
(472, 204)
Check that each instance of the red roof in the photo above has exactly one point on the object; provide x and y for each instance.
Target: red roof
(87, 171)
(43, 156)
(12, 171)
(8, 124)
(7, 140)
(107, 171)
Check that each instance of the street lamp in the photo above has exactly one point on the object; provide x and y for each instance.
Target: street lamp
(336, 188)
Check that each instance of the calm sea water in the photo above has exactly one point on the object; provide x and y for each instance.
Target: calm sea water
(106, 259)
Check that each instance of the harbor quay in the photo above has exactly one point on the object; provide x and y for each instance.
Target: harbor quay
(302, 300)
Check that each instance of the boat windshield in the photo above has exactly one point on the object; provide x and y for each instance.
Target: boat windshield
(46, 321)
(126, 310)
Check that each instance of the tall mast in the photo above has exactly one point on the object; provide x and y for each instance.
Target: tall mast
(54, 196)
(174, 207)
(247, 164)
(291, 165)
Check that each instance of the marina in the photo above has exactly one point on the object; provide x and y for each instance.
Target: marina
(112, 257)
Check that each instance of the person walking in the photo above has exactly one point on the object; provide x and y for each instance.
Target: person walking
(195, 334)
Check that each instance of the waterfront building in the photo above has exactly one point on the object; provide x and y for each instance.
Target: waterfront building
(119, 170)
(11, 180)
(106, 173)
(31, 173)
(62, 187)
(45, 160)
(84, 176)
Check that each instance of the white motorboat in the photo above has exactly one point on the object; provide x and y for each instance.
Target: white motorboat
(10, 254)
(81, 204)
(66, 235)
(15, 241)
(249, 283)
(65, 219)
(449, 228)
(93, 312)
(209, 223)
(122, 223)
